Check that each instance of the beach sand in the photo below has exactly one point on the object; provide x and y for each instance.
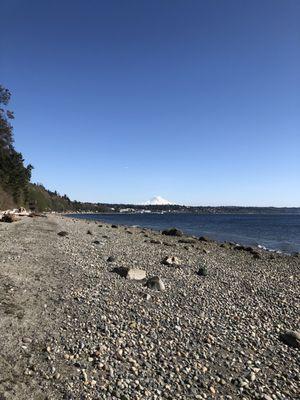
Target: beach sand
(72, 328)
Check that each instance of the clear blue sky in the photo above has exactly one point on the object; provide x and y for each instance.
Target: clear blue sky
(194, 100)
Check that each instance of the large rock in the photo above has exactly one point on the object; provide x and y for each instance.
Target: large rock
(155, 283)
(171, 261)
(131, 273)
(172, 232)
(136, 274)
(291, 338)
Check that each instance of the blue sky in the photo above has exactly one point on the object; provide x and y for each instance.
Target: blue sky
(196, 101)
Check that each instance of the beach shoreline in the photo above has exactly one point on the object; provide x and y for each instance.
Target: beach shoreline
(73, 328)
(274, 234)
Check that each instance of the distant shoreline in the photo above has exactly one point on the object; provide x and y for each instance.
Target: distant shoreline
(296, 212)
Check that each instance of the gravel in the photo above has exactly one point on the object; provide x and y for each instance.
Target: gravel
(72, 329)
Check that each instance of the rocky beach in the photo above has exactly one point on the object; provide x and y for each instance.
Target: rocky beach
(97, 311)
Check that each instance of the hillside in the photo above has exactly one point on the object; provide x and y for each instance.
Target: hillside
(41, 199)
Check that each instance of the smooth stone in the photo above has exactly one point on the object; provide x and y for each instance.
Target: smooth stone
(171, 260)
(130, 273)
(136, 274)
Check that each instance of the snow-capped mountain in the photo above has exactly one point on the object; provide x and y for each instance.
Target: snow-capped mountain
(157, 201)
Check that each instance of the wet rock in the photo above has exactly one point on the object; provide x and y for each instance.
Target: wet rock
(291, 338)
(155, 283)
(248, 249)
(172, 232)
(242, 248)
(226, 245)
(256, 254)
(187, 241)
(205, 239)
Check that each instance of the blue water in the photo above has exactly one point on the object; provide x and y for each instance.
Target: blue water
(276, 232)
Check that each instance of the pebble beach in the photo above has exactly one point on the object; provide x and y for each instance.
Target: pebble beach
(97, 311)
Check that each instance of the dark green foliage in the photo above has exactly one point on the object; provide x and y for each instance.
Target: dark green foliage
(14, 175)
(45, 200)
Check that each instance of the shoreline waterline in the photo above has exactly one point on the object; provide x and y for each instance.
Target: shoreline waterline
(273, 233)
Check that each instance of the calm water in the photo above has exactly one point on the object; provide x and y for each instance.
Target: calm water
(276, 232)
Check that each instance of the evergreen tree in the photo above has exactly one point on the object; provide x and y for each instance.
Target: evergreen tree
(14, 175)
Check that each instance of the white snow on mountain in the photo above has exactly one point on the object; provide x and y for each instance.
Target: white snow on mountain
(157, 201)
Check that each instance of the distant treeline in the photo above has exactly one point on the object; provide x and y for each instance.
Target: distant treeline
(203, 209)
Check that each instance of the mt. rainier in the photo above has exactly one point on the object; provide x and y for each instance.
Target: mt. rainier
(158, 201)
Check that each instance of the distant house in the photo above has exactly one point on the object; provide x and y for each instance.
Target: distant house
(127, 210)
